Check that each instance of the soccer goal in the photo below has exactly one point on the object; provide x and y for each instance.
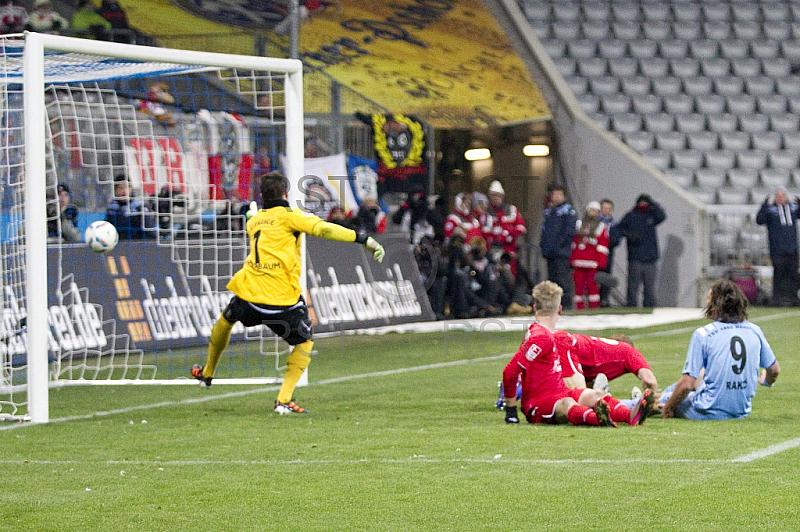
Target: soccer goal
(178, 138)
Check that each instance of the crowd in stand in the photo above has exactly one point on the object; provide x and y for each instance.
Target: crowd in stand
(107, 22)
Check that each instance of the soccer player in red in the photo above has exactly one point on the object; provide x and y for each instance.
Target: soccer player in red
(583, 358)
(545, 396)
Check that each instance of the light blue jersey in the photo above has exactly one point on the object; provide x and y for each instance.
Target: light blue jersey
(731, 354)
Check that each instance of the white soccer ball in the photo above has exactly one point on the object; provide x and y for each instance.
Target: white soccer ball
(101, 236)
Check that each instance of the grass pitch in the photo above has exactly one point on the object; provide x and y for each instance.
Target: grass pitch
(403, 436)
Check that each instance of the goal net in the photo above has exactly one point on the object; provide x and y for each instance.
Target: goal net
(171, 142)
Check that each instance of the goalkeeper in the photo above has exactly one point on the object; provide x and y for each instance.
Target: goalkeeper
(267, 288)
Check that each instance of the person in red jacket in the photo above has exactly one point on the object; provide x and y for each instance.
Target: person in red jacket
(508, 225)
(463, 217)
(589, 254)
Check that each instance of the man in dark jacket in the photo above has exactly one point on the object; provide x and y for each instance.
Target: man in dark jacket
(780, 218)
(558, 228)
(132, 218)
(638, 228)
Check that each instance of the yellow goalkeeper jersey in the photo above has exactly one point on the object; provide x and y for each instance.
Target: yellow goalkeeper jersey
(271, 273)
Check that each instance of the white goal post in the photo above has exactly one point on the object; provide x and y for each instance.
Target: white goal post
(163, 120)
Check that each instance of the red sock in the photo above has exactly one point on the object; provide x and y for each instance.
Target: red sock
(618, 411)
(582, 415)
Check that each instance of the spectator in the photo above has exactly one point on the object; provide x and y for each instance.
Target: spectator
(415, 217)
(86, 23)
(558, 228)
(518, 283)
(507, 224)
(607, 217)
(370, 218)
(45, 19)
(780, 217)
(638, 228)
(462, 217)
(66, 229)
(339, 216)
(13, 18)
(589, 254)
(486, 295)
(131, 216)
(115, 15)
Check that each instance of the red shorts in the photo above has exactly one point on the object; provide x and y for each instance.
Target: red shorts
(543, 408)
(631, 361)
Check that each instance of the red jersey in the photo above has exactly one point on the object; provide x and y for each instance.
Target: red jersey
(536, 364)
(590, 355)
(590, 250)
(507, 224)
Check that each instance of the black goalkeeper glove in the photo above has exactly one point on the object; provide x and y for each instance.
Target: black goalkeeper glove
(511, 414)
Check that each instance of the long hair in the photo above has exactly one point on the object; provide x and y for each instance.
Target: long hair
(726, 302)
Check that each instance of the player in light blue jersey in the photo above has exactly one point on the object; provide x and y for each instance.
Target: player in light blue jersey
(726, 355)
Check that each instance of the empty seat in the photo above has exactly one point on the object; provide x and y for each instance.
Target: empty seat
(735, 140)
(773, 178)
(683, 177)
(743, 177)
(581, 48)
(626, 30)
(776, 68)
(568, 11)
(715, 67)
(785, 159)
(794, 104)
(740, 104)
(687, 159)
(709, 177)
(611, 48)
(625, 10)
(705, 195)
(604, 85)
(728, 85)
(592, 67)
(722, 122)
(565, 29)
(642, 48)
(686, 12)
(589, 103)
(658, 31)
(754, 123)
(746, 68)
(578, 85)
(555, 47)
(745, 11)
(771, 104)
(615, 104)
(747, 30)
(722, 159)
(565, 65)
(764, 49)
(623, 66)
(640, 141)
(657, 11)
(734, 49)
(776, 30)
(697, 86)
(795, 8)
(790, 50)
(659, 158)
(635, 85)
(774, 11)
(670, 140)
(659, 122)
(595, 29)
(715, 12)
(788, 85)
(684, 67)
(602, 120)
(690, 122)
(716, 31)
(666, 86)
(751, 159)
(597, 11)
(654, 67)
(542, 30)
(733, 196)
(626, 122)
(534, 13)
(645, 103)
(701, 48)
(673, 49)
(791, 140)
(702, 140)
(678, 104)
(759, 85)
(709, 104)
(769, 140)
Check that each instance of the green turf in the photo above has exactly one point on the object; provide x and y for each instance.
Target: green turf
(416, 450)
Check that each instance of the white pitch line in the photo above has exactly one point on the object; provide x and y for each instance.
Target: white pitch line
(768, 451)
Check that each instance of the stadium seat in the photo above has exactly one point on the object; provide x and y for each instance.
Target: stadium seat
(721, 122)
(759, 86)
(723, 247)
(604, 85)
(715, 67)
(745, 68)
(788, 85)
(774, 11)
(656, 11)
(768, 140)
(690, 122)
(709, 178)
(716, 12)
(542, 30)
(602, 120)
(709, 104)
(592, 67)
(581, 48)
(623, 67)
(685, 67)
(733, 196)
(627, 11)
(765, 49)
(791, 140)
(734, 49)
(688, 30)
(611, 48)
(753, 241)
(640, 141)
(565, 65)
(659, 122)
(673, 49)
(626, 122)
(735, 140)
(670, 140)
(776, 30)
(720, 159)
(644, 104)
(751, 159)
(773, 178)
(744, 178)
(687, 159)
(701, 48)
(773, 104)
(794, 104)
(697, 86)
(659, 158)
(739, 104)
(635, 85)
(578, 85)
(565, 29)
(716, 31)
(705, 195)
(566, 11)
(686, 12)
(589, 103)
(747, 30)
(784, 159)
(728, 85)
(625, 30)
(754, 123)
(555, 47)
(666, 86)
(654, 67)
(595, 29)
(683, 177)
(790, 50)
(745, 11)
(598, 11)
(678, 104)
(615, 104)
(702, 140)
(642, 48)
(656, 30)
